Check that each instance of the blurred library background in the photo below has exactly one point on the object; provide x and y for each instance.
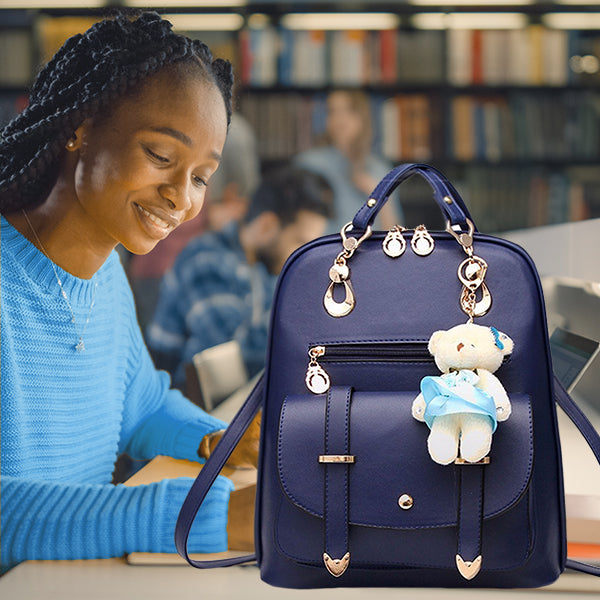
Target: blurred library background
(503, 96)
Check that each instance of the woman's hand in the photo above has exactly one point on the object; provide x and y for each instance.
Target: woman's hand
(245, 454)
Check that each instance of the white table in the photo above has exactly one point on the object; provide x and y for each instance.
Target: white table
(114, 579)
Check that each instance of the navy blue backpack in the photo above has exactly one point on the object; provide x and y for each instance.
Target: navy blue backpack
(347, 493)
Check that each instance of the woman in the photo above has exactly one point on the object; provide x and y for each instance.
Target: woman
(124, 129)
(346, 160)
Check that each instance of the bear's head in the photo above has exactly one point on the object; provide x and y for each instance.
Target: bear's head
(469, 346)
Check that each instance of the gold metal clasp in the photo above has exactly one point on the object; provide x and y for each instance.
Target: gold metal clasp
(351, 243)
(465, 239)
(471, 273)
(334, 459)
(339, 273)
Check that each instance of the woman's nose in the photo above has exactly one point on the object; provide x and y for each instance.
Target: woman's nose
(177, 195)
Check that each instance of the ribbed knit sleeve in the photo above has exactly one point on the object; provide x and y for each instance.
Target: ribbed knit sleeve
(46, 520)
(157, 419)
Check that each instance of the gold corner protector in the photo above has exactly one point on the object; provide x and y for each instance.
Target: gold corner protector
(336, 566)
(468, 568)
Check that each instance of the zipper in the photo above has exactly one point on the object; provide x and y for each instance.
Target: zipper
(317, 379)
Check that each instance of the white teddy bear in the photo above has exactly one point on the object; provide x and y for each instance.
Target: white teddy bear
(463, 405)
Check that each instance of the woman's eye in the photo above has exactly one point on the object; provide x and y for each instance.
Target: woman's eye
(198, 181)
(156, 157)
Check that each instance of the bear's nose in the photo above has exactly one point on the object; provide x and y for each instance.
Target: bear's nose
(460, 346)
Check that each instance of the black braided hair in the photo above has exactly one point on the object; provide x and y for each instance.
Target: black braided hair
(84, 79)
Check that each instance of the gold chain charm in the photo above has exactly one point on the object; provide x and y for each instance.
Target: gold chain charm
(339, 274)
(471, 273)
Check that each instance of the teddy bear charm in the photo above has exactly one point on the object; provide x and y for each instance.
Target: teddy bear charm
(463, 405)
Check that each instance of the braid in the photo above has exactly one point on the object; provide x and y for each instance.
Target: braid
(84, 79)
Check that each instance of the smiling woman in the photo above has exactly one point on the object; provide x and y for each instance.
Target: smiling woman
(124, 129)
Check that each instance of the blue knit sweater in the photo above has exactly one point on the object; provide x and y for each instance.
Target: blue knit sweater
(66, 416)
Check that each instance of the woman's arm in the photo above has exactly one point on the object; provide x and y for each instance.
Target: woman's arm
(49, 520)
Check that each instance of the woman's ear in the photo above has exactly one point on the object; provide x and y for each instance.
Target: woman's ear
(75, 142)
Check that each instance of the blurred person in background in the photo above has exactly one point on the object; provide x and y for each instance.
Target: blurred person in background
(346, 160)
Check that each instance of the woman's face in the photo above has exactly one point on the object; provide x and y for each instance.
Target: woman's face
(344, 123)
(143, 170)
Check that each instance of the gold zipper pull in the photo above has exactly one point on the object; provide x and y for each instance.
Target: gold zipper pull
(422, 243)
(317, 379)
(394, 243)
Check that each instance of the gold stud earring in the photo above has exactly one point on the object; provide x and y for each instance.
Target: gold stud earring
(72, 143)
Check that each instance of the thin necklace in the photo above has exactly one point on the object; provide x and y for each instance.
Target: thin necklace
(79, 346)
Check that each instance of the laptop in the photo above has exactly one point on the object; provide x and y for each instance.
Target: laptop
(572, 354)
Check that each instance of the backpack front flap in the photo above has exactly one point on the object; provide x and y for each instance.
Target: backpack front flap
(399, 304)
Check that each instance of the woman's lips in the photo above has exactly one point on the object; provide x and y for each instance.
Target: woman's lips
(154, 222)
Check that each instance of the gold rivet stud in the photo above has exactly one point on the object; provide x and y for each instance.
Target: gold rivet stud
(371, 202)
(448, 200)
(405, 502)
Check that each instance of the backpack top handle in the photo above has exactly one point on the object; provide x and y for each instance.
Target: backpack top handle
(447, 198)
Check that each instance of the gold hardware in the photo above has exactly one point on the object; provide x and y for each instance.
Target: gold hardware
(394, 243)
(448, 200)
(317, 379)
(371, 202)
(468, 568)
(471, 273)
(464, 239)
(336, 566)
(339, 309)
(351, 243)
(422, 243)
(337, 459)
(405, 502)
(484, 461)
(474, 307)
(339, 273)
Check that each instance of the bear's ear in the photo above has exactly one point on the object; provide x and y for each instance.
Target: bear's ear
(503, 342)
(508, 344)
(435, 340)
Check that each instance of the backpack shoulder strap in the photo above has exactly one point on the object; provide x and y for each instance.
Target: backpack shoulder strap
(591, 436)
(209, 473)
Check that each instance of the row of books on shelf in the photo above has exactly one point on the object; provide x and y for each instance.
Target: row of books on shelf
(549, 126)
(543, 127)
(532, 56)
(508, 198)
(271, 56)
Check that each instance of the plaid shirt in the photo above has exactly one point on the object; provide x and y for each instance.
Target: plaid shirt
(210, 296)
